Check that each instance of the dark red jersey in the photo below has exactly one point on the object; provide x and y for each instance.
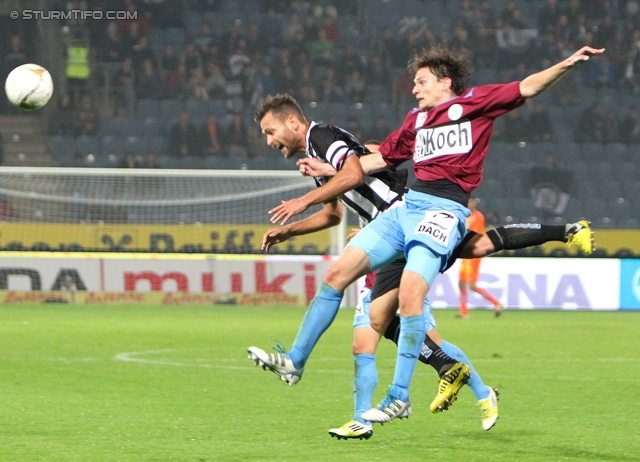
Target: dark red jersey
(451, 140)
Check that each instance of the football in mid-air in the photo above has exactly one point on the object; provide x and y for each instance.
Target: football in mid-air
(29, 87)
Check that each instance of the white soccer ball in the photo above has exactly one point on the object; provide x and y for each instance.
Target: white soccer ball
(29, 87)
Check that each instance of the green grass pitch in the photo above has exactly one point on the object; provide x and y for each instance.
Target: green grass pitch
(135, 383)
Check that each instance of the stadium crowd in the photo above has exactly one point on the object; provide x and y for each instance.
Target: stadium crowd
(179, 83)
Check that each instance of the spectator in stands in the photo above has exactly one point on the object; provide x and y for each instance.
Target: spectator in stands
(353, 126)
(406, 47)
(124, 87)
(562, 29)
(292, 27)
(591, 124)
(548, 16)
(15, 56)
(385, 47)
(86, 116)
(606, 32)
(602, 72)
(611, 127)
(310, 28)
(298, 46)
(169, 62)
(216, 82)
(330, 28)
(141, 52)
(268, 81)
(515, 126)
(78, 161)
(211, 138)
(330, 90)
(460, 40)
(322, 50)
(286, 81)
(350, 61)
(255, 40)
(239, 59)
(271, 28)
(151, 160)
(630, 126)
(197, 88)
(130, 38)
(377, 73)
(129, 161)
(236, 136)
(111, 48)
(62, 120)
(305, 85)
(229, 39)
(379, 131)
(183, 139)
(191, 57)
(355, 87)
(581, 31)
(147, 84)
(206, 36)
(538, 126)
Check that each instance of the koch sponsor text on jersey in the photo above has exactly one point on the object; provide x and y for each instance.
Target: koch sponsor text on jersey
(438, 224)
(443, 141)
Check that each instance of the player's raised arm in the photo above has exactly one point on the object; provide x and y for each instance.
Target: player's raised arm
(540, 81)
(330, 215)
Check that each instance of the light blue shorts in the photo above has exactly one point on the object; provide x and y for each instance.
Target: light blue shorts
(361, 316)
(434, 224)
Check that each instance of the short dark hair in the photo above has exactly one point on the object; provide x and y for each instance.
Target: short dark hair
(444, 62)
(282, 105)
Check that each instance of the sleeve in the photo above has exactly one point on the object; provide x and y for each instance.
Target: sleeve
(330, 147)
(497, 99)
(398, 146)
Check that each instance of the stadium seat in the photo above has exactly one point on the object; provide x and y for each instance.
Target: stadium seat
(147, 108)
(109, 126)
(617, 152)
(85, 144)
(132, 126)
(158, 144)
(110, 144)
(62, 149)
(152, 126)
(136, 144)
(592, 152)
(170, 108)
(198, 110)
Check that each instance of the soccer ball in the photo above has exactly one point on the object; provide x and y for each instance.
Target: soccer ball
(29, 87)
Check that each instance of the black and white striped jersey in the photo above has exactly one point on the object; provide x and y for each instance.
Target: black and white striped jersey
(379, 190)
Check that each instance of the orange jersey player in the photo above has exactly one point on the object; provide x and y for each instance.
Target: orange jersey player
(470, 268)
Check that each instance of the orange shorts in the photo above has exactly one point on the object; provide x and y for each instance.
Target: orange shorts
(469, 269)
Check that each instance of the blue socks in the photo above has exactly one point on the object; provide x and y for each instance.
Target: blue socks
(320, 314)
(409, 344)
(364, 384)
(475, 382)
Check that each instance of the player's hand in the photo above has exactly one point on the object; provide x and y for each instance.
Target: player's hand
(314, 167)
(353, 233)
(583, 54)
(287, 209)
(274, 236)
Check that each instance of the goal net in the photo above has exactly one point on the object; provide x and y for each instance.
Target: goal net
(139, 210)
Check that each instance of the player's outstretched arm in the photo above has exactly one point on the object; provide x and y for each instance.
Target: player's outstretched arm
(350, 176)
(330, 215)
(540, 81)
(372, 163)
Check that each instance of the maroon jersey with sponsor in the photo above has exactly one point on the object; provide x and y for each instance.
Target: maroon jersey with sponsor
(450, 140)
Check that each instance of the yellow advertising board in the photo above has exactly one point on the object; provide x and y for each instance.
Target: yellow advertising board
(193, 238)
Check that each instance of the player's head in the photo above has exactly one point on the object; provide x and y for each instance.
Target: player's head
(283, 123)
(439, 74)
(372, 145)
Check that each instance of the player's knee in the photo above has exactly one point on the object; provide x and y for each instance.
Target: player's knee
(362, 348)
